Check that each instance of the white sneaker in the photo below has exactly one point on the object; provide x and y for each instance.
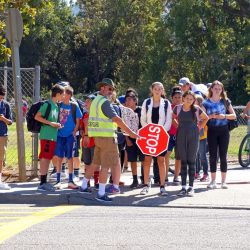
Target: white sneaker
(212, 185)
(224, 185)
(145, 190)
(4, 186)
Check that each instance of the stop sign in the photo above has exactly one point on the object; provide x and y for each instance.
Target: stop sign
(154, 139)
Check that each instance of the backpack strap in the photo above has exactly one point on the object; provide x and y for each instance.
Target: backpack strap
(47, 112)
(178, 109)
(147, 104)
(73, 108)
(166, 105)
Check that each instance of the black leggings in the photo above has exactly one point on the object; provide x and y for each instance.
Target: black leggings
(218, 138)
(191, 172)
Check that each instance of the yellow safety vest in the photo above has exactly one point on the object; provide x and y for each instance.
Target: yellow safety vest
(100, 125)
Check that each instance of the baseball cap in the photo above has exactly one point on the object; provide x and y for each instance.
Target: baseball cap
(184, 81)
(63, 83)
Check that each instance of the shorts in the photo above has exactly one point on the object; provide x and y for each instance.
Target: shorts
(106, 152)
(3, 147)
(76, 146)
(171, 143)
(47, 149)
(64, 146)
(87, 155)
(134, 152)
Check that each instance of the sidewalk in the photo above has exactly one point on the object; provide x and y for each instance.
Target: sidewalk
(236, 197)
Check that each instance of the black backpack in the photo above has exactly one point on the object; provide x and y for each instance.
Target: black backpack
(33, 125)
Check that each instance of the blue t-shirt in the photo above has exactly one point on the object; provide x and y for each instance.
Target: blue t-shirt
(6, 111)
(67, 120)
(215, 108)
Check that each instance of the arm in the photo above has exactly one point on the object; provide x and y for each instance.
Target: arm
(245, 111)
(204, 119)
(124, 127)
(40, 118)
(169, 114)
(7, 119)
(76, 127)
(143, 114)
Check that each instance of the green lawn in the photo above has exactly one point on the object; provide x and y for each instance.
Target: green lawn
(12, 159)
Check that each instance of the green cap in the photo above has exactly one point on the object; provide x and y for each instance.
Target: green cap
(107, 82)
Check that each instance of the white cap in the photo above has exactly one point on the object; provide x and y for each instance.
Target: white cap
(184, 81)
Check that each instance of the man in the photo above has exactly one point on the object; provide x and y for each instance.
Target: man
(102, 124)
(5, 120)
(199, 89)
(70, 115)
(48, 134)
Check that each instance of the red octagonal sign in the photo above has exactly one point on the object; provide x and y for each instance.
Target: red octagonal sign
(154, 139)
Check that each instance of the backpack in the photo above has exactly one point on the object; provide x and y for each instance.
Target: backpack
(33, 125)
(165, 104)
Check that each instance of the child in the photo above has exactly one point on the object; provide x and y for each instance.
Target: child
(187, 138)
(176, 100)
(88, 144)
(201, 160)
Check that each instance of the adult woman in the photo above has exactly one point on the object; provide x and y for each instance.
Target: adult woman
(219, 111)
(156, 110)
(190, 119)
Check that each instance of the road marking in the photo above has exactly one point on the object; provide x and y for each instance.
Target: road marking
(12, 228)
(16, 212)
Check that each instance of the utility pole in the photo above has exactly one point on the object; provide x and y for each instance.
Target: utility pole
(14, 33)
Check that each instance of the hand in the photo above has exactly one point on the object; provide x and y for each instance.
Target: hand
(56, 125)
(1, 117)
(85, 141)
(134, 135)
(220, 116)
(212, 116)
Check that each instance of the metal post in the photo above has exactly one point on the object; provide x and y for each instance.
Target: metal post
(5, 80)
(36, 98)
(13, 27)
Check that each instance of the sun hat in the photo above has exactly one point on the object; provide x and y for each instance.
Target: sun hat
(106, 82)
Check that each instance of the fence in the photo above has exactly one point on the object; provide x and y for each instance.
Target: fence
(29, 80)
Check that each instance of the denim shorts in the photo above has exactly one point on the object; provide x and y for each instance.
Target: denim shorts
(171, 143)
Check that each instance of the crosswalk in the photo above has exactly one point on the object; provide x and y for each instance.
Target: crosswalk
(15, 219)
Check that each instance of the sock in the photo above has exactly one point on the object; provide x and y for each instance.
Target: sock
(96, 177)
(43, 179)
(58, 177)
(85, 183)
(63, 168)
(135, 178)
(116, 186)
(76, 172)
(190, 187)
(184, 187)
(162, 187)
(70, 177)
(101, 190)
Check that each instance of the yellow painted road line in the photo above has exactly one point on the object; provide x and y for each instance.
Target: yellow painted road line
(12, 228)
(10, 217)
(16, 212)
(17, 208)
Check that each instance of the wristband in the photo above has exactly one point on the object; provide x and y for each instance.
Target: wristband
(225, 116)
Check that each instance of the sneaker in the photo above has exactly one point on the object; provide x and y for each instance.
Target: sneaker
(224, 185)
(212, 185)
(64, 175)
(46, 187)
(104, 198)
(112, 190)
(145, 190)
(176, 181)
(190, 192)
(4, 186)
(204, 178)
(72, 185)
(182, 192)
(163, 191)
(85, 191)
(197, 176)
(135, 184)
(58, 185)
(96, 186)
